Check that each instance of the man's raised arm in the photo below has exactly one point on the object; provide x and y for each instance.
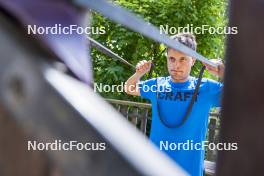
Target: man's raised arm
(142, 68)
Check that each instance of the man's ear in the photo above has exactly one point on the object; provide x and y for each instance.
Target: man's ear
(193, 61)
(166, 52)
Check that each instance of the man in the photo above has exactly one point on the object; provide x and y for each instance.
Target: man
(174, 96)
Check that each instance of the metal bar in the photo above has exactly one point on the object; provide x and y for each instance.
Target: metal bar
(117, 138)
(144, 119)
(144, 105)
(71, 49)
(243, 103)
(129, 103)
(122, 16)
(211, 137)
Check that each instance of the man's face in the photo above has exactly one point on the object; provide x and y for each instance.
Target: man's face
(179, 65)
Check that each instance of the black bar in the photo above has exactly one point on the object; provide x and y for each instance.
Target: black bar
(243, 105)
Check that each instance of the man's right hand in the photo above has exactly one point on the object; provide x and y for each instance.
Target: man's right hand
(143, 67)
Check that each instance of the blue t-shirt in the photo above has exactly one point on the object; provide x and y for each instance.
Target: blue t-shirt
(173, 99)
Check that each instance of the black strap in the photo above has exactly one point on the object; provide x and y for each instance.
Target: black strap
(189, 109)
(109, 52)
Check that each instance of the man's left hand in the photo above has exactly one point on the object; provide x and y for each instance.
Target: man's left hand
(217, 71)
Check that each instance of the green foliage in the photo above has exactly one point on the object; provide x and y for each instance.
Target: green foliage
(134, 47)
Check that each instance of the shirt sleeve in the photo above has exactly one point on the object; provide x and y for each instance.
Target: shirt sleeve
(215, 92)
(147, 88)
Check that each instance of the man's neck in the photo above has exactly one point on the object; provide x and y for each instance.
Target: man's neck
(179, 80)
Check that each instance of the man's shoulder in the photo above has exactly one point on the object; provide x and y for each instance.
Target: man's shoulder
(213, 83)
(206, 84)
(205, 80)
(160, 79)
(165, 80)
